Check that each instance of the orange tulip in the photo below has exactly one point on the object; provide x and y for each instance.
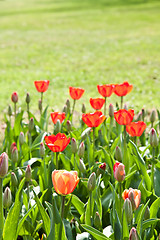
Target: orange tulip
(105, 90)
(124, 117)
(93, 119)
(41, 85)
(64, 182)
(136, 128)
(122, 89)
(57, 116)
(76, 93)
(57, 143)
(97, 103)
(134, 196)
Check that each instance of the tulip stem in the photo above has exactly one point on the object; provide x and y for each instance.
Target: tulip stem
(121, 102)
(1, 208)
(57, 160)
(93, 144)
(90, 196)
(62, 215)
(125, 148)
(105, 106)
(152, 170)
(41, 103)
(120, 198)
(28, 110)
(74, 103)
(15, 110)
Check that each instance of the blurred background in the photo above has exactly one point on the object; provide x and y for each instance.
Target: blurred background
(80, 43)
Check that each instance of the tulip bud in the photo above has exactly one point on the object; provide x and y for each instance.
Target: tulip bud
(31, 124)
(14, 181)
(128, 210)
(83, 108)
(7, 198)
(153, 138)
(139, 117)
(153, 116)
(91, 182)
(81, 150)
(68, 105)
(3, 164)
(134, 196)
(14, 97)
(97, 221)
(111, 110)
(65, 109)
(118, 154)
(28, 99)
(14, 154)
(40, 105)
(42, 150)
(133, 234)
(143, 114)
(28, 173)
(85, 133)
(119, 172)
(147, 214)
(57, 127)
(131, 198)
(73, 145)
(21, 138)
(82, 166)
(12, 146)
(103, 166)
(9, 110)
(68, 125)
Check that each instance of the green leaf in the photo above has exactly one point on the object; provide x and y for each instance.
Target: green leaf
(154, 208)
(95, 233)
(78, 204)
(33, 162)
(125, 231)
(52, 226)
(38, 140)
(140, 220)
(147, 223)
(11, 223)
(18, 125)
(43, 118)
(45, 217)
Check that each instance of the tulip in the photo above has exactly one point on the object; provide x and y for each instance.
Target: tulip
(14, 155)
(93, 119)
(97, 221)
(41, 85)
(124, 117)
(57, 127)
(103, 166)
(64, 182)
(128, 210)
(12, 146)
(134, 196)
(57, 116)
(81, 150)
(91, 182)
(119, 172)
(9, 111)
(135, 129)
(83, 108)
(153, 138)
(133, 234)
(65, 109)
(68, 105)
(28, 173)
(97, 103)
(118, 154)
(76, 93)
(28, 99)
(153, 117)
(74, 145)
(31, 124)
(14, 180)
(68, 125)
(7, 198)
(111, 110)
(57, 143)
(3, 164)
(82, 166)
(21, 138)
(42, 150)
(14, 97)
(122, 90)
(147, 213)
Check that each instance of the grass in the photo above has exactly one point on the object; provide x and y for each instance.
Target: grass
(80, 43)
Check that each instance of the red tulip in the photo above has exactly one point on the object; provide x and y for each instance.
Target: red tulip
(105, 90)
(122, 89)
(57, 143)
(41, 85)
(93, 119)
(58, 116)
(134, 196)
(64, 182)
(136, 128)
(97, 103)
(103, 166)
(124, 117)
(119, 172)
(14, 97)
(76, 93)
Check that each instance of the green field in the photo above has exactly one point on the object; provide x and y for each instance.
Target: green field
(80, 43)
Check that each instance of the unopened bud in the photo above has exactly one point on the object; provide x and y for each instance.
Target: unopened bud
(42, 150)
(68, 105)
(119, 172)
(68, 125)
(85, 133)
(65, 109)
(143, 114)
(97, 221)
(111, 110)
(7, 198)
(21, 138)
(40, 105)
(28, 173)
(9, 110)
(81, 150)
(73, 145)
(91, 182)
(3, 164)
(31, 124)
(14, 181)
(83, 108)
(57, 127)
(103, 166)
(82, 166)
(28, 99)
(147, 214)
(128, 210)
(14, 154)
(133, 234)
(12, 146)
(118, 154)
(153, 116)
(14, 97)
(153, 138)
(134, 196)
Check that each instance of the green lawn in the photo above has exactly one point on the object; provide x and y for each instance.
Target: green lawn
(80, 43)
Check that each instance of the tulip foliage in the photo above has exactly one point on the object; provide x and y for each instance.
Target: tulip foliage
(93, 178)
